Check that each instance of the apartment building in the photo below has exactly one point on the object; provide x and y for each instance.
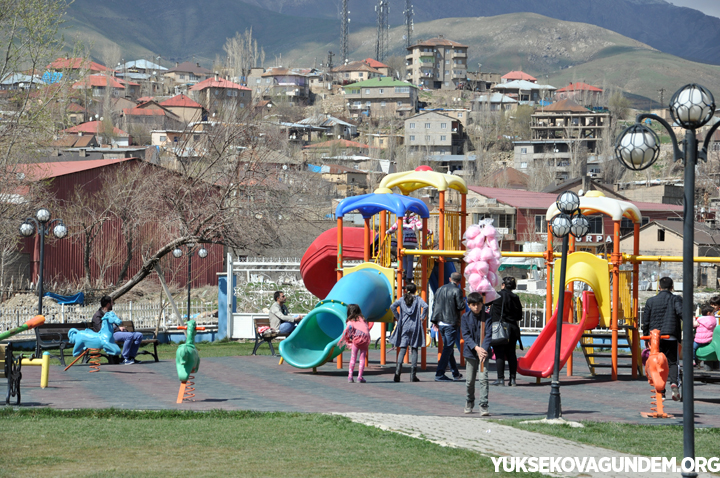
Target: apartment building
(381, 98)
(433, 133)
(437, 64)
(354, 71)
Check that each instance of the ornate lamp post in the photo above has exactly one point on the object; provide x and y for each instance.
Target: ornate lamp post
(569, 221)
(42, 225)
(637, 148)
(177, 252)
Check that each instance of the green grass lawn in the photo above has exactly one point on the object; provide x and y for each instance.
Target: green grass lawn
(120, 443)
(648, 440)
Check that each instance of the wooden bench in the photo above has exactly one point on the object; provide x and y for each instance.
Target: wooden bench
(55, 336)
(267, 337)
(10, 369)
(149, 338)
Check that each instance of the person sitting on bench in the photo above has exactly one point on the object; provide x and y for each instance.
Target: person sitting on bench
(131, 340)
(280, 319)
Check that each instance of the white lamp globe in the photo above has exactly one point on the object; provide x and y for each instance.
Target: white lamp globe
(42, 215)
(561, 225)
(580, 226)
(177, 252)
(692, 106)
(27, 229)
(203, 253)
(567, 202)
(60, 231)
(638, 147)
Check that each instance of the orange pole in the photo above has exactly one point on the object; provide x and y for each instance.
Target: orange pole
(569, 368)
(636, 278)
(366, 240)
(463, 226)
(548, 283)
(616, 260)
(383, 325)
(441, 260)
(423, 287)
(339, 269)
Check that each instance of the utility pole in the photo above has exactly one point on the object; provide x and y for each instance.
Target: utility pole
(381, 44)
(344, 31)
(408, 13)
(662, 95)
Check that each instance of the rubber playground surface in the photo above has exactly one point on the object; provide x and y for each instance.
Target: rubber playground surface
(259, 383)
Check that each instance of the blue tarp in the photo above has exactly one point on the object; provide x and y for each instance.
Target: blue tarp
(78, 298)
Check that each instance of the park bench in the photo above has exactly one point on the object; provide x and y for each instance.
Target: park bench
(149, 338)
(10, 369)
(266, 337)
(55, 336)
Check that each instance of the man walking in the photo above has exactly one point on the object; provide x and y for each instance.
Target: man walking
(447, 310)
(131, 340)
(664, 313)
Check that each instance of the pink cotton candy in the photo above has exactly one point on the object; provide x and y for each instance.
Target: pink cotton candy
(475, 243)
(493, 278)
(486, 254)
(489, 232)
(493, 244)
(473, 255)
(471, 269)
(475, 281)
(472, 232)
(490, 296)
(494, 264)
(484, 285)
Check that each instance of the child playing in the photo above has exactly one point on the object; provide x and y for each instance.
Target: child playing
(357, 335)
(476, 328)
(704, 327)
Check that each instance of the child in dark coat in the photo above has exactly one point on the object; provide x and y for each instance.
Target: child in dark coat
(476, 329)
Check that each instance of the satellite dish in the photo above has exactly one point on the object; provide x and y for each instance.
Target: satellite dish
(284, 166)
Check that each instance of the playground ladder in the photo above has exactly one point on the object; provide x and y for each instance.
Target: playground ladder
(589, 342)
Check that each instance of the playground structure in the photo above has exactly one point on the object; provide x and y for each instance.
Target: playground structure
(611, 304)
(657, 373)
(187, 362)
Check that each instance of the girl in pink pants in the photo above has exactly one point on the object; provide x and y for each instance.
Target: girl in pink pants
(357, 336)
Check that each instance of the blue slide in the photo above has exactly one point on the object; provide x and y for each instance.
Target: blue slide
(314, 340)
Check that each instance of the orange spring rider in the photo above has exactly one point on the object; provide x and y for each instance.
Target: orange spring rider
(657, 370)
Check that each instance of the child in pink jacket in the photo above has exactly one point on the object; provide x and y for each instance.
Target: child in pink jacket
(357, 336)
(704, 327)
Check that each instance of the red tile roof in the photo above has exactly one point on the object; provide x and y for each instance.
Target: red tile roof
(579, 86)
(343, 143)
(76, 108)
(356, 66)
(180, 101)
(374, 63)
(97, 81)
(76, 64)
(518, 75)
(219, 83)
(93, 127)
(128, 82)
(566, 105)
(40, 171)
(144, 112)
(145, 99)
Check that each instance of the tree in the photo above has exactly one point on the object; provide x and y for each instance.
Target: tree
(242, 54)
(618, 105)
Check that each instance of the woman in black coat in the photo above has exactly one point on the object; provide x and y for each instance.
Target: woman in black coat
(508, 305)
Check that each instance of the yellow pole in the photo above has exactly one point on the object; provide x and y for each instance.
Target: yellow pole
(548, 283)
(45, 370)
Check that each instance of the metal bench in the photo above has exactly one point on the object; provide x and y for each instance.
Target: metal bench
(267, 337)
(55, 336)
(149, 338)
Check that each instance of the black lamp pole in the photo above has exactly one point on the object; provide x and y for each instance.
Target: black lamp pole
(691, 107)
(555, 406)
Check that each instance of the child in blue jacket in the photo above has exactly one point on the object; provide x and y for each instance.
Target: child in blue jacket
(475, 325)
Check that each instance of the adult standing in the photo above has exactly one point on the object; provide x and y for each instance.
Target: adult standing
(131, 340)
(507, 307)
(280, 319)
(447, 310)
(664, 313)
(410, 311)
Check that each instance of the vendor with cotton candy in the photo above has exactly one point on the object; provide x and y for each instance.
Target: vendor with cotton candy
(483, 259)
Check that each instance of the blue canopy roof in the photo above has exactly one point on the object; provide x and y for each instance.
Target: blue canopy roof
(370, 204)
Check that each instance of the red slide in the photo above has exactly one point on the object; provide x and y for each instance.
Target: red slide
(539, 360)
(319, 263)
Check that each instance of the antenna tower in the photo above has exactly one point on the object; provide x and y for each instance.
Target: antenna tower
(409, 25)
(344, 30)
(383, 29)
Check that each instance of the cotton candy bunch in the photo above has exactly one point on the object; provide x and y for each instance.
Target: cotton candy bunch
(483, 259)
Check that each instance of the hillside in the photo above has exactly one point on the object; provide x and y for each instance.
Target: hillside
(680, 31)
(553, 51)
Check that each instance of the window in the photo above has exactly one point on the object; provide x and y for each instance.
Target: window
(242, 105)
(523, 150)
(427, 125)
(382, 141)
(361, 74)
(447, 62)
(382, 91)
(540, 224)
(268, 80)
(523, 165)
(347, 75)
(443, 138)
(443, 125)
(412, 125)
(163, 139)
(382, 103)
(499, 220)
(258, 80)
(196, 137)
(661, 235)
(367, 92)
(447, 72)
(368, 104)
(460, 115)
(399, 103)
(447, 83)
(596, 224)
(182, 77)
(427, 137)
(412, 137)
(402, 89)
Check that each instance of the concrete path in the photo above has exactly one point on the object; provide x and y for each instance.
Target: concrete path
(493, 439)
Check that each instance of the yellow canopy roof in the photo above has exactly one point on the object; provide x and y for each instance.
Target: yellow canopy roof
(594, 202)
(409, 181)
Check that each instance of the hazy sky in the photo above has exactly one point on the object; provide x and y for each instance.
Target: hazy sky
(708, 7)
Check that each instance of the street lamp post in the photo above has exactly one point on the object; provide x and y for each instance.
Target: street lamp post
(569, 221)
(42, 224)
(637, 148)
(202, 253)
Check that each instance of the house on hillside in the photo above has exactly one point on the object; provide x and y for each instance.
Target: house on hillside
(525, 92)
(517, 75)
(353, 72)
(332, 148)
(348, 181)
(99, 83)
(147, 117)
(74, 68)
(20, 81)
(335, 127)
(186, 109)
(381, 98)
(437, 64)
(378, 65)
(665, 238)
(433, 133)
(219, 96)
(115, 137)
(493, 102)
(148, 74)
(566, 120)
(507, 178)
(184, 75)
(659, 191)
(279, 84)
(580, 93)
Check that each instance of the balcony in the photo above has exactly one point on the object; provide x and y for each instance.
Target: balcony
(457, 54)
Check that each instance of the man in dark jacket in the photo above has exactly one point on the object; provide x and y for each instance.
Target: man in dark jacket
(664, 313)
(448, 306)
(477, 332)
